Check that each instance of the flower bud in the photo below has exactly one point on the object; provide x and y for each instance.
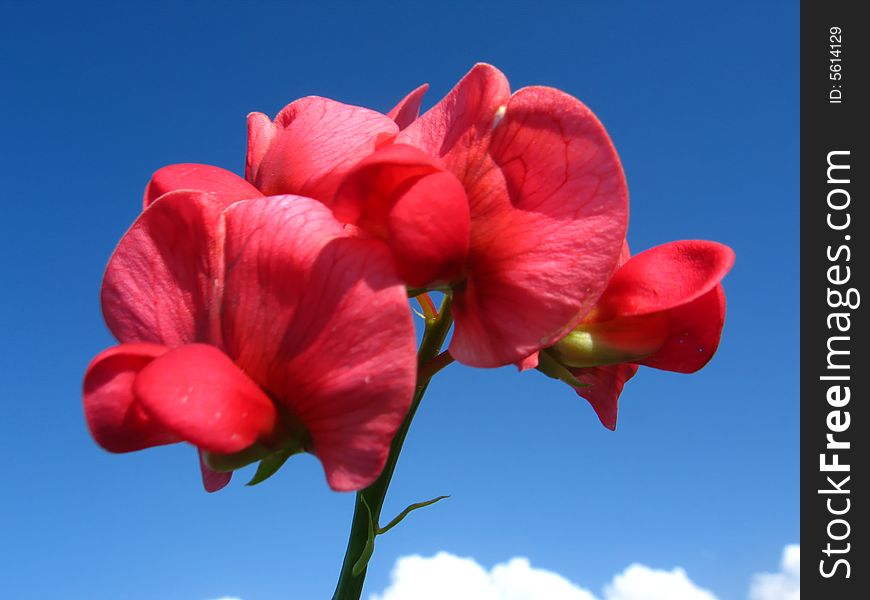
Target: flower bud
(622, 340)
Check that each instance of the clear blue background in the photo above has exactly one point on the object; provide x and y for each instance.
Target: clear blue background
(702, 105)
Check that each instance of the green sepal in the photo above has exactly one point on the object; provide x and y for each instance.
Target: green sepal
(366, 554)
(270, 465)
(411, 508)
(550, 367)
(231, 462)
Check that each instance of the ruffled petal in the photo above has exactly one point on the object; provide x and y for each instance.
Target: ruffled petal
(402, 196)
(547, 227)
(197, 393)
(115, 418)
(604, 385)
(693, 334)
(327, 332)
(408, 109)
(311, 146)
(664, 277)
(429, 231)
(261, 132)
(162, 281)
(458, 129)
(203, 178)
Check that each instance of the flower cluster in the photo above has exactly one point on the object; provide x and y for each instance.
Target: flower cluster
(268, 315)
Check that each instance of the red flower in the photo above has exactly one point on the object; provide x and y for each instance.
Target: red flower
(515, 202)
(548, 206)
(248, 328)
(663, 308)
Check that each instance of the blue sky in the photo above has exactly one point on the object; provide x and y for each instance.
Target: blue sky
(702, 105)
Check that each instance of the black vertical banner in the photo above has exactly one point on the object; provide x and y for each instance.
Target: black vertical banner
(834, 370)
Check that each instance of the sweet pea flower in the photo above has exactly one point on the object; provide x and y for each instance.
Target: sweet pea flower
(514, 202)
(664, 308)
(251, 327)
(548, 209)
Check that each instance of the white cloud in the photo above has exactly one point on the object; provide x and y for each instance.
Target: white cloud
(517, 580)
(785, 585)
(448, 576)
(639, 582)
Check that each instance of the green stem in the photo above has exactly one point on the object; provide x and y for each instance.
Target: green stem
(431, 368)
(349, 586)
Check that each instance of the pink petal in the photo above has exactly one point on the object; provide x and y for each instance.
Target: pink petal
(163, 279)
(367, 193)
(402, 196)
(694, 332)
(408, 108)
(321, 320)
(624, 255)
(212, 480)
(115, 418)
(200, 395)
(261, 132)
(529, 362)
(664, 277)
(604, 387)
(313, 143)
(548, 225)
(458, 129)
(429, 231)
(204, 178)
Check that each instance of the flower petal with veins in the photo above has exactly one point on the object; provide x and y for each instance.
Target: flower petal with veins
(549, 209)
(320, 320)
(408, 107)
(604, 385)
(404, 197)
(164, 277)
(311, 146)
(203, 178)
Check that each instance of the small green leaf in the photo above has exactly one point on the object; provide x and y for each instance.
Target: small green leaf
(270, 465)
(408, 511)
(366, 555)
(550, 367)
